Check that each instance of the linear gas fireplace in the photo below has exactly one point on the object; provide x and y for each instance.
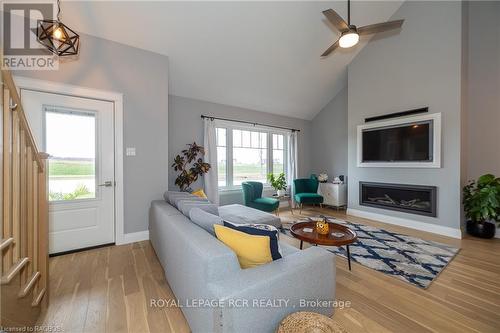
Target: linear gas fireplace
(415, 199)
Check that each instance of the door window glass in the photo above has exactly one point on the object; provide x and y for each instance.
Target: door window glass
(70, 140)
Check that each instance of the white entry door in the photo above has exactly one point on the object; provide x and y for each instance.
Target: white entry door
(78, 134)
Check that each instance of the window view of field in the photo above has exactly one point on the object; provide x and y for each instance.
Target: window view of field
(221, 156)
(70, 140)
(249, 155)
(71, 179)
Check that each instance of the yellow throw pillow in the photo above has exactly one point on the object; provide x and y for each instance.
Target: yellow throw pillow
(251, 250)
(199, 193)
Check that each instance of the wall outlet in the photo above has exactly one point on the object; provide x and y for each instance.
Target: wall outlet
(130, 151)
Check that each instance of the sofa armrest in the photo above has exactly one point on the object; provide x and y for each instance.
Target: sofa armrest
(264, 295)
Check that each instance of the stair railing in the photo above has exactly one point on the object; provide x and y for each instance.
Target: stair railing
(24, 211)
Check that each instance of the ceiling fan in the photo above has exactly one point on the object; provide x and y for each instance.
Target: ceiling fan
(350, 33)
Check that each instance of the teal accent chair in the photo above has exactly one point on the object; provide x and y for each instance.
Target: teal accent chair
(252, 197)
(306, 192)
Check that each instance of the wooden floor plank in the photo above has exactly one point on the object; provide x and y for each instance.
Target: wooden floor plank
(113, 296)
(95, 320)
(78, 308)
(353, 321)
(136, 312)
(116, 320)
(156, 316)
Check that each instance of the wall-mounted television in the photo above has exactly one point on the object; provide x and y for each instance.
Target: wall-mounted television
(398, 143)
(405, 142)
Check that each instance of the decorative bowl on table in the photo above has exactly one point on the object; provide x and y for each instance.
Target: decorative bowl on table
(322, 227)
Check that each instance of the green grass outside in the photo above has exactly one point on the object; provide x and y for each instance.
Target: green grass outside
(71, 168)
(249, 170)
(86, 168)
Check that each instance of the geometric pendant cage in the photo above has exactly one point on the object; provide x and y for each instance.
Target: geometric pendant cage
(57, 37)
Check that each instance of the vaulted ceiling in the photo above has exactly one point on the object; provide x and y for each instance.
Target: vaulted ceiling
(258, 55)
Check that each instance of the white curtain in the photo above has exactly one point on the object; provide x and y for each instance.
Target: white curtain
(211, 177)
(291, 162)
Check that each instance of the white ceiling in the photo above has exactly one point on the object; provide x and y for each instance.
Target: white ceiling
(257, 55)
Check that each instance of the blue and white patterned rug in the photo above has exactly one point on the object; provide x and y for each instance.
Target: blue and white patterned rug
(411, 259)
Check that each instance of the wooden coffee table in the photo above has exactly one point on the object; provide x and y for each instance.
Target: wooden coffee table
(314, 238)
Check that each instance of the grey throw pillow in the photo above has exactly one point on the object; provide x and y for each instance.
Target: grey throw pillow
(204, 219)
(185, 207)
(169, 195)
(193, 198)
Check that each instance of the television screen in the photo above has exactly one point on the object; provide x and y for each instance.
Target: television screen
(401, 143)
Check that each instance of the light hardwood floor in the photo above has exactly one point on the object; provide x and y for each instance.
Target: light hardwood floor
(109, 289)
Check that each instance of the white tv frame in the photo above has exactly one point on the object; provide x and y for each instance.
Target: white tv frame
(436, 145)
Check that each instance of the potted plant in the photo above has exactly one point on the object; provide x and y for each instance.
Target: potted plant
(189, 171)
(481, 201)
(278, 183)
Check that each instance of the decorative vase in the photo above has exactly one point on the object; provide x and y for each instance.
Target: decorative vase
(322, 227)
(481, 230)
(323, 177)
(281, 193)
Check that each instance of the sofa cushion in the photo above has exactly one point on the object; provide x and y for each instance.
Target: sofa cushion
(169, 195)
(251, 250)
(246, 215)
(165, 208)
(186, 205)
(267, 201)
(204, 219)
(175, 200)
(308, 198)
(265, 204)
(260, 230)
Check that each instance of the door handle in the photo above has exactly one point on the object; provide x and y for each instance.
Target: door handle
(107, 183)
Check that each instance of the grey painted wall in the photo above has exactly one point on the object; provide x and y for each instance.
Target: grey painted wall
(329, 137)
(142, 77)
(483, 89)
(407, 70)
(185, 126)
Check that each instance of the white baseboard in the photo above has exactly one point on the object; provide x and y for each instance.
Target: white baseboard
(412, 224)
(497, 233)
(133, 237)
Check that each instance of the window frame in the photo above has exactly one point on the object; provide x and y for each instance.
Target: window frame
(230, 126)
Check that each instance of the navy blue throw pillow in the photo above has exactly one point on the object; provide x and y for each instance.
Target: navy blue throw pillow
(260, 230)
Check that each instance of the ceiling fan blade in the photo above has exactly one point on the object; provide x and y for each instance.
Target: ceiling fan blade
(331, 49)
(380, 27)
(336, 20)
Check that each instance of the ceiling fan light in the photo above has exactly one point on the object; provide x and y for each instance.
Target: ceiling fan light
(348, 39)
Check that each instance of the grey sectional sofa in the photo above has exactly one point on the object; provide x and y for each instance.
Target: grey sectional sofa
(219, 296)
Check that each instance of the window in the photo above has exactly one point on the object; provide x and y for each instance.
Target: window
(70, 141)
(248, 154)
(221, 156)
(278, 154)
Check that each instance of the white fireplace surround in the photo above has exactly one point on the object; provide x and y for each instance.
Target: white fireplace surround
(436, 145)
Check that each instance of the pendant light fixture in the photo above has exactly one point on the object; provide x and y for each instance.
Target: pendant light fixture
(57, 37)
